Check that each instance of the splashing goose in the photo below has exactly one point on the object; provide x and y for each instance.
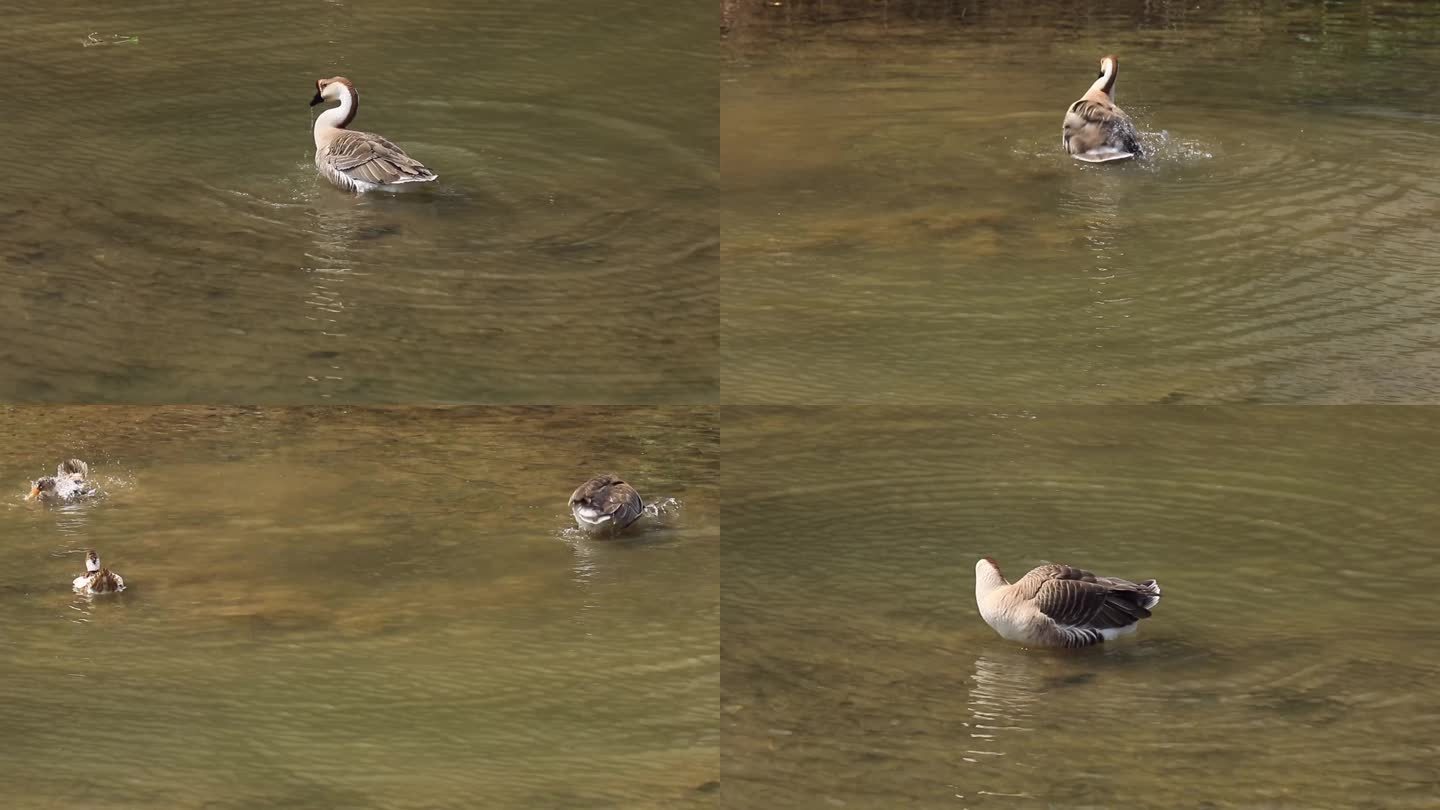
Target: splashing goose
(97, 579)
(606, 503)
(358, 161)
(1096, 131)
(1060, 606)
(67, 484)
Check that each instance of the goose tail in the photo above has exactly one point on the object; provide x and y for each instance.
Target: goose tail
(1150, 591)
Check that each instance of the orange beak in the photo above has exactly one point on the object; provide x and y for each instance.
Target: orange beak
(34, 493)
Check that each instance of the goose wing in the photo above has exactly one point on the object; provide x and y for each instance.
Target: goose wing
(1073, 597)
(369, 157)
(1093, 123)
(608, 496)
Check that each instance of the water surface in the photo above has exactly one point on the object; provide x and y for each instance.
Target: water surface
(167, 239)
(348, 608)
(1290, 664)
(902, 226)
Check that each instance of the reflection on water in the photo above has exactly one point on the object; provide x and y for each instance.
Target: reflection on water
(359, 608)
(898, 208)
(1287, 665)
(185, 249)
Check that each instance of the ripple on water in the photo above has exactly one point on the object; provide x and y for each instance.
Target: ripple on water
(915, 209)
(1285, 540)
(392, 571)
(578, 182)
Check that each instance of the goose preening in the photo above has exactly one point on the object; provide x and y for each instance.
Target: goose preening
(97, 579)
(358, 161)
(1060, 606)
(67, 484)
(605, 503)
(1096, 131)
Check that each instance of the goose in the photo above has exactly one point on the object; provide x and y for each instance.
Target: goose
(358, 161)
(67, 484)
(97, 579)
(605, 503)
(1061, 606)
(1096, 131)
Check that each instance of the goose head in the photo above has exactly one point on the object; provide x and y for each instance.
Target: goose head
(335, 88)
(987, 577)
(92, 561)
(42, 488)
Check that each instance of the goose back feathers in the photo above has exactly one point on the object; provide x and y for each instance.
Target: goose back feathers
(96, 579)
(1095, 129)
(1060, 605)
(67, 484)
(606, 502)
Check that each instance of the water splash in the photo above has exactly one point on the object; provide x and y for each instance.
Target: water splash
(1160, 147)
(663, 508)
(655, 515)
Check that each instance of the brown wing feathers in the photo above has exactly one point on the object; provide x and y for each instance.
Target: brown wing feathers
(610, 495)
(1105, 114)
(1074, 597)
(373, 159)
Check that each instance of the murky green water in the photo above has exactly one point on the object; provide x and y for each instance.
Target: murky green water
(165, 238)
(1291, 663)
(349, 608)
(901, 225)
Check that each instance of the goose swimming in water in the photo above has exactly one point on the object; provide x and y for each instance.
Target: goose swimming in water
(97, 579)
(358, 161)
(1060, 606)
(1095, 130)
(606, 503)
(67, 484)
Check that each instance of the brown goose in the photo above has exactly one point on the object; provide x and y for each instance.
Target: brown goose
(97, 579)
(1060, 606)
(1096, 131)
(67, 484)
(606, 503)
(358, 161)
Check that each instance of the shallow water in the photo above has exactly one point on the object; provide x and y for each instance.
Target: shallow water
(901, 225)
(349, 608)
(165, 237)
(1291, 662)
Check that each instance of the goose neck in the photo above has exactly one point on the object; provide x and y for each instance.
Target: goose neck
(336, 118)
(987, 580)
(1106, 82)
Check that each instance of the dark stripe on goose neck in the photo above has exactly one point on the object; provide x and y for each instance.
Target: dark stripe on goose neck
(354, 105)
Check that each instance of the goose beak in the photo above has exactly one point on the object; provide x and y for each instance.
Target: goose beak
(317, 100)
(34, 493)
